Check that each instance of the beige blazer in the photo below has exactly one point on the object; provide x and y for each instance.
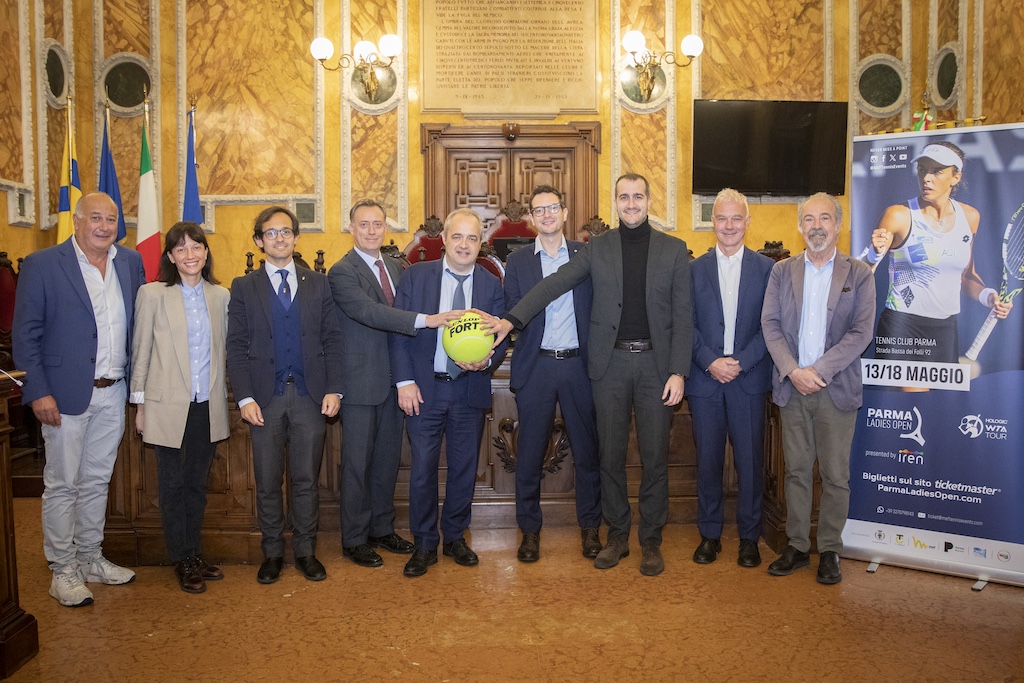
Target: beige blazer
(160, 362)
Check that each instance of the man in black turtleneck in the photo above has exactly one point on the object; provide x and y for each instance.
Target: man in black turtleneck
(641, 334)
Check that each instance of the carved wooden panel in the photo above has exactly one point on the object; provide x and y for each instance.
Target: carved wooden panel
(11, 161)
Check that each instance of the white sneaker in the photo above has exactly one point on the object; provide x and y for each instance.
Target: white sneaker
(68, 588)
(102, 570)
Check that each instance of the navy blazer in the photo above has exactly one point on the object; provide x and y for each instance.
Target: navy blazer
(709, 324)
(250, 344)
(522, 272)
(54, 334)
(412, 358)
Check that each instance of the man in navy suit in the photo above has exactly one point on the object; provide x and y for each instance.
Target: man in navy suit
(549, 366)
(442, 400)
(284, 357)
(73, 322)
(363, 283)
(730, 378)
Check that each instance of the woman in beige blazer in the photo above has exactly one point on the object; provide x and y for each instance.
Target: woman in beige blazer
(178, 382)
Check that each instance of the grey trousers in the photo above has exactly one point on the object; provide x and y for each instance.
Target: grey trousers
(814, 429)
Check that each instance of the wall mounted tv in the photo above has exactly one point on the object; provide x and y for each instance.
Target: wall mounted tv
(762, 147)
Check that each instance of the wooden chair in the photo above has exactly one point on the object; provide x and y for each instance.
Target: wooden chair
(426, 244)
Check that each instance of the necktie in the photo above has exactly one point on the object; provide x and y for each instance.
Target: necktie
(284, 292)
(385, 283)
(458, 303)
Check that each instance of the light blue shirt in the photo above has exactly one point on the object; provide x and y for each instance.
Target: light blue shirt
(448, 283)
(198, 322)
(560, 331)
(814, 313)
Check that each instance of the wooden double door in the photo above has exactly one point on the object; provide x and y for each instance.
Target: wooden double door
(480, 168)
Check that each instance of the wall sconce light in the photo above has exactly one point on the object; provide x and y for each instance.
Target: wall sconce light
(370, 64)
(645, 71)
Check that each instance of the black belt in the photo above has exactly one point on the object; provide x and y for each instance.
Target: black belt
(104, 382)
(560, 354)
(634, 345)
(445, 377)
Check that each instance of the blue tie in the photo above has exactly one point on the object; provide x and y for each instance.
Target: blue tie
(284, 292)
(458, 303)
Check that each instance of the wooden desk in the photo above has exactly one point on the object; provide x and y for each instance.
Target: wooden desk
(19, 633)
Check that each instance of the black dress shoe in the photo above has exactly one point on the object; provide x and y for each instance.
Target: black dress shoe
(393, 543)
(208, 571)
(750, 556)
(311, 568)
(707, 551)
(790, 560)
(591, 542)
(828, 568)
(529, 549)
(189, 578)
(363, 555)
(461, 553)
(418, 563)
(270, 570)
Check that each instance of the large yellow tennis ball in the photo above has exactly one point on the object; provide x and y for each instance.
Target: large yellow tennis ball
(464, 341)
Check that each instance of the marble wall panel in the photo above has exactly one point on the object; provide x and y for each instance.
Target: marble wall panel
(372, 19)
(869, 124)
(56, 129)
(881, 28)
(126, 27)
(53, 20)
(948, 18)
(126, 146)
(374, 171)
(12, 165)
(648, 17)
(1003, 62)
(644, 140)
(763, 49)
(255, 93)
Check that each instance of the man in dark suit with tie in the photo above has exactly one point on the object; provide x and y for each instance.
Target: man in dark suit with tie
(284, 362)
(72, 335)
(441, 398)
(549, 367)
(363, 283)
(641, 332)
(729, 379)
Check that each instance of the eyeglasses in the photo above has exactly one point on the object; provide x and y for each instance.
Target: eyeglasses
(274, 232)
(539, 211)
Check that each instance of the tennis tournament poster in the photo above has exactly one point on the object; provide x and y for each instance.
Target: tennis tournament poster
(937, 462)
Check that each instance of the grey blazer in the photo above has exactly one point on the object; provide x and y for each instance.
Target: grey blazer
(160, 362)
(669, 308)
(850, 326)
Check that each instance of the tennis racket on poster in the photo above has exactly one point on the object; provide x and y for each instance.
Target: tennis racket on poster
(1013, 274)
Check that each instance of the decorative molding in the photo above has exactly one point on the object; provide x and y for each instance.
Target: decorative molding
(210, 201)
(961, 57)
(829, 49)
(908, 52)
(319, 122)
(857, 67)
(979, 56)
(46, 219)
(23, 187)
(936, 54)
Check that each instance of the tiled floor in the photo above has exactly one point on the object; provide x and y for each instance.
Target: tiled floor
(556, 620)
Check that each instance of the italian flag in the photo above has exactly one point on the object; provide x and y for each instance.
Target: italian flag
(147, 239)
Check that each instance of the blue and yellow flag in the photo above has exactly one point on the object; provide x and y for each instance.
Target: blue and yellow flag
(70, 183)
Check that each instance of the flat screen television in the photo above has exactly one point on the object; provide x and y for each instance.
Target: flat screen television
(763, 147)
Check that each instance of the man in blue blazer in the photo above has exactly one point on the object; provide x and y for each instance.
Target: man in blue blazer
(549, 367)
(363, 283)
(73, 322)
(729, 378)
(442, 400)
(818, 317)
(284, 360)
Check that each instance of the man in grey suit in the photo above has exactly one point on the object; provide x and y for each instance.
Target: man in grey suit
(641, 334)
(363, 284)
(818, 317)
(284, 357)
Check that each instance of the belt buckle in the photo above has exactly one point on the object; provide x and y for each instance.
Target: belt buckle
(636, 347)
(560, 354)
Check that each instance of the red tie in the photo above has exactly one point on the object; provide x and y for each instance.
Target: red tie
(385, 283)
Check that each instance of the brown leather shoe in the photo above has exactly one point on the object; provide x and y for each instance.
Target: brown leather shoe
(529, 549)
(651, 563)
(610, 555)
(208, 571)
(591, 542)
(189, 578)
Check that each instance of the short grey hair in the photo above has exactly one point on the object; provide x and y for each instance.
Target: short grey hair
(837, 208)
(730, 195)
(463, 212)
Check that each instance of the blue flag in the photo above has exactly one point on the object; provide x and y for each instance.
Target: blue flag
(191, 210)
(109, 184)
